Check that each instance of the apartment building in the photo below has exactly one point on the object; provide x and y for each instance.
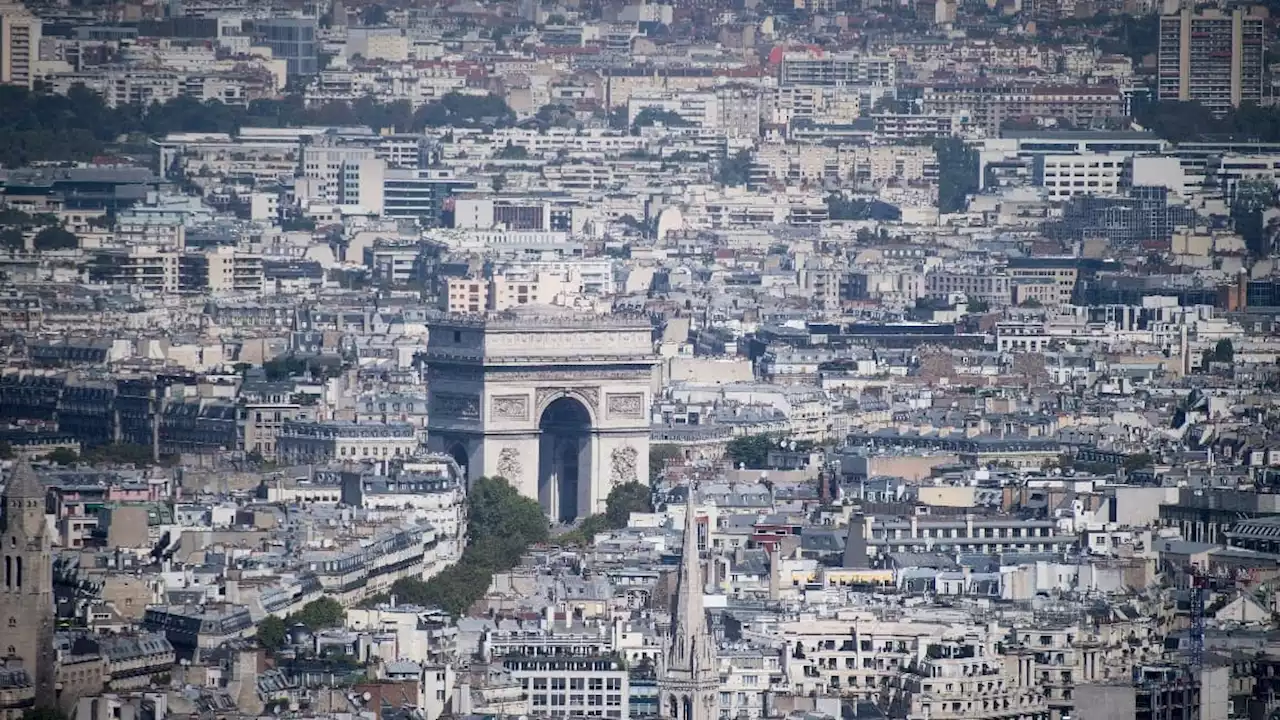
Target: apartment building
(990, 104)
(855, 656)
(967, 534)
(341, 441)
(292, 40)
(20, 33)
(223, 271)
(989, 285)
(143, 267)
(565, 670)
(343, 173)
(1064, 176)
(365, 566)
(972, 681)
(265, 408)
(1212, 57)
(1061, 273)
(836, 69)
(512, 288)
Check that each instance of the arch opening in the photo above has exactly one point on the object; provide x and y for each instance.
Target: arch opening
(459, 455)
(564, 459)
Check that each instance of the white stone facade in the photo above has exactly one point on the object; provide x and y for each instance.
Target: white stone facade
(493, 379)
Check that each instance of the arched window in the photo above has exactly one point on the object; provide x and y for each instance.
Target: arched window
(8, 571)
(17, 573)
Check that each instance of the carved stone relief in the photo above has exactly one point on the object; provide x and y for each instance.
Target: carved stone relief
(509, 407)
(624, 465)
(589, 394)
(509, 464)
(626, 405)
(453, 405)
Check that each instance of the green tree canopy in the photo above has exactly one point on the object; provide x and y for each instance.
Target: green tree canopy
(55, 238)
(734, 171)
(502, 525)
(319, 614)
(657, 116)
(512, 152)
(1137, 462)
(13, 239)
(626, 499)
(750, 450)
(272, 632)
(659, 455)
(63, 456)
(957, 174)
(1224, 351)
(459, 110)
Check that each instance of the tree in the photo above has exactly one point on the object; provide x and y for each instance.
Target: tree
(12, 238)
(657, 116)
(320, 614)
(512, 152)
(119, 454)
(751, 451)
(626, 499)
(373, 15)
(734, 171)
(63, 456)
(659, 456)
(957, 174)
(502, 516)
(457, 110)
(272, 632)
(55, 238)
(502, 525)
(44, 713)
(1137, 462)
(1224, 351)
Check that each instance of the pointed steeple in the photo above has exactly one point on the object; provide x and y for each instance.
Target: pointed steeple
(23, 483)
(24, 497)
(691, 616)
(688, 680)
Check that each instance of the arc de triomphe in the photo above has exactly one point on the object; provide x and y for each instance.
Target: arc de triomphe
(555, 401)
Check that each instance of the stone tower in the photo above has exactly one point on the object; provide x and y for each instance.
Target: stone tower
(26, 588)
(688, 679)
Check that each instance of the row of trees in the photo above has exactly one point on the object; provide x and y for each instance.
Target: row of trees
(1183, 121)
(42, 126)
(113, 454)
(502, 525)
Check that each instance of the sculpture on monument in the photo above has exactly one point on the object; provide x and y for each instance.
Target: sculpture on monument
(624, 465)
(509, 463)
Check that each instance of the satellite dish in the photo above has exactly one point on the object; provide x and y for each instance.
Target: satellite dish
(367, 696)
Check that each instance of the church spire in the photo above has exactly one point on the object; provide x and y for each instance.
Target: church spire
(688, 679)
(26, 582)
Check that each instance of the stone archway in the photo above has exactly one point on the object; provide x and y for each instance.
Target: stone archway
(458, 452)
(564, 458)
(528, 393)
